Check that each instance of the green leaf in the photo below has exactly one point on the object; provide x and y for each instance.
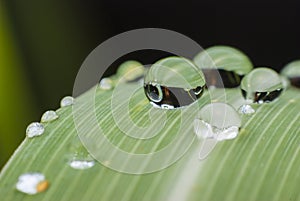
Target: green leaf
(262, 163)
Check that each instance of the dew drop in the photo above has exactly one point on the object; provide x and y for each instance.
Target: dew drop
(67, 101)
(215, 122)
(223, 66)
(173, 82)
(78, 157)
(131, 71)
(246, 109)
(49, 116)
(106, 84)
(292, 72)
(34, 129)
(219, 121)
(261, 85)
(81, 164)
(32, 183)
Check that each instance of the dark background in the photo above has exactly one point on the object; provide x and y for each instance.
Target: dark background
(54, 37)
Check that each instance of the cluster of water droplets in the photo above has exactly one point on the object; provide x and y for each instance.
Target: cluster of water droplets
(176, 82)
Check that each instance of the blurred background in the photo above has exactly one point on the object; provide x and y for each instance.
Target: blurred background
(43, 44)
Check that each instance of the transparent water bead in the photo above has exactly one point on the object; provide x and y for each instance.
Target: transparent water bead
(223, 66)
(34, 129)
(106, 84)
(131, 71)
(49, 116)
(292, 72)
(32, 183)
(246, 109)
(261, 85)
(173, 82)
(78, 157)
(67, 101)
(219, 121)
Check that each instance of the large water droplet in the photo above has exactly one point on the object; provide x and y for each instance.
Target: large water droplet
(67, 101)
(173, 82)
(292, 72)
(32, 183)
(78, 156)
(223, 66)
(261, 85)
(131, 71)
(217, 120)
(106, 84)
(34, 129)
(49, 116)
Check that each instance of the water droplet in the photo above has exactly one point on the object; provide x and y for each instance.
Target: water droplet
(261, 85)
(81, 164)
(223, 66)
(215, 122)
(78, 157)
(106, 84)
(67, 101)
(292, 72)
(32, 183)
(49, 116)
(246, 109)
(131, 71)
(34, 129)
(219, 121)
(173, 82)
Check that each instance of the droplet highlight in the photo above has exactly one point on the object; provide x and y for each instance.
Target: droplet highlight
(173, 82)
(49, 116)
(261, 85)
(223, 66)
(32, 183)
(67, 101)
(246, 109)
(34, 129)
(292, 72)
(106, 84)
(78, 157)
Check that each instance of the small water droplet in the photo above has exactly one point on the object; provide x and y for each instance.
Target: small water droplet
(32, 183)
(34, 129)
(49, 116)
(223, 66)
(131, 71)
(246, 109)
(216, 122)
(106, 84)
(81, 164)
(173, 82)
(261, 85)
(78, 157)
(292, 72)
(67, 101)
